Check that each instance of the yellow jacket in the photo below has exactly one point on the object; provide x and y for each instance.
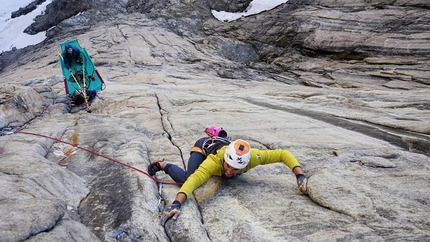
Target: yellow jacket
(213, 165)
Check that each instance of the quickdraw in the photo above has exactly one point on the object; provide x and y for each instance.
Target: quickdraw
(161, 201)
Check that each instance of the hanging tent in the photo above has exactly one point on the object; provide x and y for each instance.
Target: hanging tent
(84, 80)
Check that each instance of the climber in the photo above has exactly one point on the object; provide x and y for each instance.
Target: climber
(216, 138)
(71, 54)
(231, 160)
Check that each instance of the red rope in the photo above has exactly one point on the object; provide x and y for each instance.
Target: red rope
(43, 111)
(18, 130)
(106, 157)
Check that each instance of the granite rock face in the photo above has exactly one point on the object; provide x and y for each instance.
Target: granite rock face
(343, 86)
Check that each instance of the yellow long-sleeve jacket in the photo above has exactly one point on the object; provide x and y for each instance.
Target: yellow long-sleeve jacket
(213, 165)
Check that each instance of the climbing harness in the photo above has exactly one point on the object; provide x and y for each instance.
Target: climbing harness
(213, 144)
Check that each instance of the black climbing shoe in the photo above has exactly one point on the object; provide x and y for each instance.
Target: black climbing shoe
(154, 167)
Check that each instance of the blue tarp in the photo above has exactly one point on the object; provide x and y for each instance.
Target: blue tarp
(84, 76)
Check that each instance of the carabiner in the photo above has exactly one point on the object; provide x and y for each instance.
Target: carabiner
(7, 130)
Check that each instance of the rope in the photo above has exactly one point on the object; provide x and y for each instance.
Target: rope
(31, 120)
(161, 200)
(100, 155)
(19, 130)
(85, 84)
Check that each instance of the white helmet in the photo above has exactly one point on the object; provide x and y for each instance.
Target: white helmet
(238, 154)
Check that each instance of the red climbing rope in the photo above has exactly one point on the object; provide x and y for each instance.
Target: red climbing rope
(98, 154)
(18, 130)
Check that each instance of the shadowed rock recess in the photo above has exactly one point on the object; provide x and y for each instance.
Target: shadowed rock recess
(343, 85)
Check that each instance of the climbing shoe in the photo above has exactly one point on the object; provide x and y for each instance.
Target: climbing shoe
(154, 167)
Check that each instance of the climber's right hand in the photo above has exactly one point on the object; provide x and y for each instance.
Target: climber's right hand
(171, 212)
